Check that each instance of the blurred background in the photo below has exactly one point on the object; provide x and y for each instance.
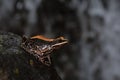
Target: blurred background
(91, 26)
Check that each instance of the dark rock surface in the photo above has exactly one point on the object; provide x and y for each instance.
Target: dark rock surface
(16, 64)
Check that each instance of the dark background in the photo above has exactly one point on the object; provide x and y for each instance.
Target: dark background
(91, 26)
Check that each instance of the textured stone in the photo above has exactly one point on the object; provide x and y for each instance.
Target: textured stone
(17, 64)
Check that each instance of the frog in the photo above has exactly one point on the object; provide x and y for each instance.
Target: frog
(42, 47)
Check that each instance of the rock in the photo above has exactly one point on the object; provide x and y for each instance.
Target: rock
(17, 64)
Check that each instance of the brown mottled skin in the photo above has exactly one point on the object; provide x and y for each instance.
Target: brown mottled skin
(41, 47)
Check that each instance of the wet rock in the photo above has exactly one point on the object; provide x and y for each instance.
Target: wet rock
(17, 64)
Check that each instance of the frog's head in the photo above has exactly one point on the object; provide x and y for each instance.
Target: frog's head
(58, 42)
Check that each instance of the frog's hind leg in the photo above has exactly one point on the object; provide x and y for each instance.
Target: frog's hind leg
(46, 60)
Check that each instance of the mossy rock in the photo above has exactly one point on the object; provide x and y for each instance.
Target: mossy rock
(17, 64)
